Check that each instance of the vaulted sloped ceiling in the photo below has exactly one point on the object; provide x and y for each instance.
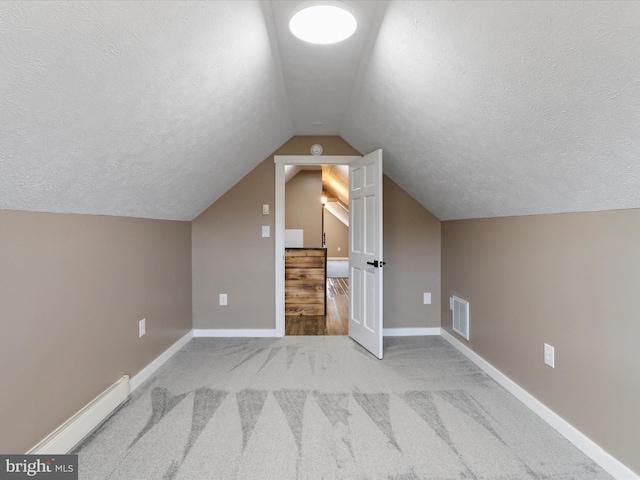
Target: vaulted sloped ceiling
(155, 109)
(144, 109)
(505, 108)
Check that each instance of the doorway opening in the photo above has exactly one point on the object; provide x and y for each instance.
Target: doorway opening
(316, 284)
(365, 245)
(337, 292)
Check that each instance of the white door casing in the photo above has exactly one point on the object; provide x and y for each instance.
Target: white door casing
(365, 252)
(280, 162)
(368, 328)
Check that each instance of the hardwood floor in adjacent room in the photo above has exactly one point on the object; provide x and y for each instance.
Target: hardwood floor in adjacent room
(335, 322)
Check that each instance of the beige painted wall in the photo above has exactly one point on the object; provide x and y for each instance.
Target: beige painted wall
(569, 280)
(301, 145)
(229, 256)
(303, 211)
(72, 290)
(303, 206)
(337, 235)
(411, 242)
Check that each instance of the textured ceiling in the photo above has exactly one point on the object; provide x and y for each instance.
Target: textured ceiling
(320, 78)
(505, 108)
(140, 109)
(155, 109)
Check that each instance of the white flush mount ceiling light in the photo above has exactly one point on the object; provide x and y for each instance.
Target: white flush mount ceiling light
(323, 23)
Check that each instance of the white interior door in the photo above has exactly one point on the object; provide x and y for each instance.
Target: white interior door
(365, 252)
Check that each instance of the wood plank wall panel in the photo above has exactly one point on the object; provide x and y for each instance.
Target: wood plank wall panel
(305, 271)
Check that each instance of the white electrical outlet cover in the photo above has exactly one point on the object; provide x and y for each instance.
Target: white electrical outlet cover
(266, 231)
(427, 298)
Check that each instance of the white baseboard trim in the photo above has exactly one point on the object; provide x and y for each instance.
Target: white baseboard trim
(150, 369)
(410, 332)
(608, 462)
(72, 432)
(239, 332)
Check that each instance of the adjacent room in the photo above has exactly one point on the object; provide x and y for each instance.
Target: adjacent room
(316, 225)
(233, 247)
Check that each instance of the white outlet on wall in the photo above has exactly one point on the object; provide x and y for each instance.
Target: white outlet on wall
(426, 298)
(338, 248)
(141, 328)
(549, 355)
(223, 299)
(266, 231)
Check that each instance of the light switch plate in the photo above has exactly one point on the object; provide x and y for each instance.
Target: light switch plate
(265, 209)
(550, 355)
(142, 328)
(427, 298)
(266, 231)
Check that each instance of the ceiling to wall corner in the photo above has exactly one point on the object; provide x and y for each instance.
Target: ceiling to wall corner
(155, 109)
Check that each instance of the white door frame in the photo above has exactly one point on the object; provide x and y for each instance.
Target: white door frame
(281, 161)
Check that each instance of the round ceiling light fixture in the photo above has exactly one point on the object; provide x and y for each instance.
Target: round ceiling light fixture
(323, 23)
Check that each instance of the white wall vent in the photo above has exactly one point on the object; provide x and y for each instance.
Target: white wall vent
(460, 316)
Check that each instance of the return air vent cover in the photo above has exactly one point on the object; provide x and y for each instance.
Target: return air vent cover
(461, 317)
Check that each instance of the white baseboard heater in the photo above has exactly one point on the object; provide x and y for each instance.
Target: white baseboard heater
(69, 435)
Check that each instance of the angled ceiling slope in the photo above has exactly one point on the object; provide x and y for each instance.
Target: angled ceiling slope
(505, 108)
(155, 109)
(321, 78)
(143, 109)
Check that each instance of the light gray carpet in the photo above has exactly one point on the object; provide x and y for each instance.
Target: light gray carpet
(323, 408)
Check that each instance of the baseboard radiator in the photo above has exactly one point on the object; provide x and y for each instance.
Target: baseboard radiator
(69, 435)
